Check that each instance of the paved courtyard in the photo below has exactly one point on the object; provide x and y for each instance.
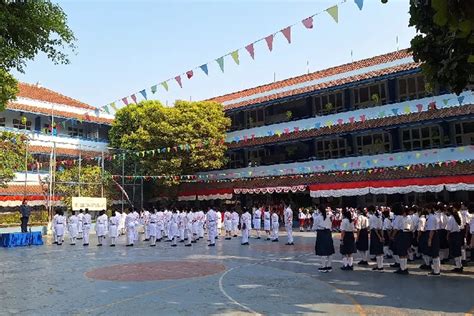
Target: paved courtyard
(229, 279)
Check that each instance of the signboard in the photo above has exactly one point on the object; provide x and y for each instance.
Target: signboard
(91, 203)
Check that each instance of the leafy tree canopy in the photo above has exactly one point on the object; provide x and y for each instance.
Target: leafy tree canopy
(27, 28)
(12, 155)
(150, 125)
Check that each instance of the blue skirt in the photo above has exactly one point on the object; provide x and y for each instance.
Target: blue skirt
(324, 244)
(348, 245)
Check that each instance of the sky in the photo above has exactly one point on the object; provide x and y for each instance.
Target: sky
(126, 46)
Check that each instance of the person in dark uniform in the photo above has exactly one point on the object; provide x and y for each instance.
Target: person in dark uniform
(324, 246)
(347, 247)
(25, 211)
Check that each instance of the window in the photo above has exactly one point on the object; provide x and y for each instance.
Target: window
(410, 88)
(256, 156)
(369, 96)
(235, 160)
(421, 138)
(372, 144)
(255, 117)
(2, 121)
(329, 103)
(464, 133)
(236, 121)
(331, 148)
(22, 124)
(75, 132)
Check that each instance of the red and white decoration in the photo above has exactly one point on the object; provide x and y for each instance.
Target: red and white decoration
(294, 189)
(33, 200)
(402, 186)
(203, 195)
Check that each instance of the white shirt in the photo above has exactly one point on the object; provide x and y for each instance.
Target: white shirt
(452, 226)
(471, 223)
(406, 224)
(320, 223)
(289, 216)
(362, 222)
(347, 226)
(275, 218)
(387, 224)
(421, 224)
(86, 220)
(375, 222)
(432, 222)
(257, 214)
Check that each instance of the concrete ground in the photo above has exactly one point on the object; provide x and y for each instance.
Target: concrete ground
(229, 279)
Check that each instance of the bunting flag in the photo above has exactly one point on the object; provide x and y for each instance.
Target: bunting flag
(308, 22)
(189, 74)
(178, 80)
(125, 101)
(106, 109)
(269, 40)
(251, 50)
(112, 105)
(153, 89)
(360, 3)
(287, 33)
(235, 56)
(334, 13)
(165, 85)
(220, 61)
(143, 93)
(134, 98)
(204, 69)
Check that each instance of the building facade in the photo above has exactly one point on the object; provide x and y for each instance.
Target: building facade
(58, 128)
(361, 133)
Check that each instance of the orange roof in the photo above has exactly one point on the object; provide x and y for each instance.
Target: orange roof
(63, 151)
(39, 93)
(386, 58)
(20, 189)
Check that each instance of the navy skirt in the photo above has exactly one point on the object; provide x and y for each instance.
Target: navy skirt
(455, 244)
(402, 243)
(443, 239)
(414, 240)
(348, 244)
(362, 243)
(423, 243)
(324, 243)
(386, 241)
(376, 245)
(433, 250)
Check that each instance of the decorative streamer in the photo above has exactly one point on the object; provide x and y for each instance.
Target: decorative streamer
(143, 93)
(134, 98)
(125, 101)
(251, 50)
(235, 56)
(333, 12)
(178, 80)
(269, 40)
(153, 89)
(287, 33)
(165, 85)
(360, 3)
(189, 74)
(308, 22)
(220, 61)
(204, 69)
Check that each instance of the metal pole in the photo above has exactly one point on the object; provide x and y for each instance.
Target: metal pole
(123, 178)
(26, 167)
(79, 171)
(102, 180)
(141, 192)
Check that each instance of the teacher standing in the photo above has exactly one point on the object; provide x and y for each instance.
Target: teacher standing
(25, 211)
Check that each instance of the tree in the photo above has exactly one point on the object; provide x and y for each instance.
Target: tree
(12, 155)
(91, 178)
(445, 43)
(149, 126)
(27, 28)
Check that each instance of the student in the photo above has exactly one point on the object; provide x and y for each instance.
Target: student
(211, 218)
(73, 221)
(267, 222)
(443, 234)
(188, 231)
(101, 227)
(228, 225)
(80, 220)
(470, 239)
(453, 228)
(130, 226)
(289, 224)
(235, 222)
(301, 218)
(376, 237)
(422, 239)
(324, 246)
(403, 238)
(152, 226)
(347, 247)
(174, 232)
(387, 230)
(257, 221)
(114, 222)
(275, 225)
(245, 222)
(432, 244)
(59, 223)
(362, 242)
(86, 227)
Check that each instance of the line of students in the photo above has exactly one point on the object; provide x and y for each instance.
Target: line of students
(434, 233)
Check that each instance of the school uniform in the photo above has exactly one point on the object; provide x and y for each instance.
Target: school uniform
(443, 234)
(376, 245)
(188, 231)
(245, 222)
(387, 229)
(454, 239)
(73, 221)
(152, 228)
(289, 224)
(405, 236)
(59, 222)
(275, 227)
(432, 251)
(267, 221)
(80, 219)
(101, 228)
(422, 236)
(348, 243)
(257, 221)
(235, 222)
(114, 222)
(362, 243)
(86, 227)
(130, 226)
(211, 217)
(324, 245)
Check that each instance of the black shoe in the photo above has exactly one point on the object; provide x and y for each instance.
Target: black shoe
(228, 238)
(434, 274)
(72, 244)
(168, 240)
(464, 262)
(363, 263)
(188, 245)
(373, 259)
(458, 270)
(245, 244)
(146, 239)
(60, 244)
(158, 240)
(289, 244)
(403, 272)
(152, 245)
(112, 245)
(257, 238)
(85, 245)
(388, 257)
(425, 267)
(345, 268)
(275, 240)
(395, 265)
(131, 245)
(377, 269)
(211, 245)
(235, 236)
(193, 242)
(444, 261)
(328, 269)
(174, 245)
(268, 238)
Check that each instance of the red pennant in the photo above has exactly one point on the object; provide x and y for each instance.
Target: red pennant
(287, 32)
(419, 107)
(269, 40)
(308, 22)
(251, 50)
(351, 119)
(340, 121)
(189, 74)
(178, 80)
(362, 118)
(125, 101)
(134, 98)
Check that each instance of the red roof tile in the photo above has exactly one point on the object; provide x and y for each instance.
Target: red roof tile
(20, 189)
(62, 151)
(39, 93)
(318, 75)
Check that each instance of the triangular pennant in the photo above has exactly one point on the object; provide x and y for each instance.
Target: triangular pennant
(287, 32)
(112, 105)
(269, 40)
(134, 98)
(165, 85)
(220, 61)
(153, 89)
(125, 100)
(308, 22)
(235, 56)
(251, 50)
(189, 74)
(143, 93)
(360, 3)
(333, 12)
(204, 68)
(178, 80)
(106, 109)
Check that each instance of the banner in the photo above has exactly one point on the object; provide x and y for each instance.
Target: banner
(91, 203)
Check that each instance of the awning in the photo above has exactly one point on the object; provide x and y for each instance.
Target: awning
(211, 194)
(402, 186)
(284, 189)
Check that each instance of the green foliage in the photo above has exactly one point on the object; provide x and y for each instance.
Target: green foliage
(12, 155)
(445, 43)
(150, 125)
(27, 28)
(91, 179)
(13, 218)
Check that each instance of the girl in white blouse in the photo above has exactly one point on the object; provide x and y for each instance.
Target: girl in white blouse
(376, 237)
(347, 247)
(454, 238)
(324, 246)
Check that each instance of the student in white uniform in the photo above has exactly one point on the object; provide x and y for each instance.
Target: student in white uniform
(160, 225)
(114, 222)
(211, 218)
(301, 219)
(174, 232)
(53, 227)
(136, 218)
(235, 222)
(218, 223)
(454, 238)
(432, 244)
(347, 247)
(288, 214)
(86, 227)
(387, 230)
(130, 223)
(422, 236)
(80, 219)
(275, 225)
(324, 246)
(470, 237)
(403, 239)
(122, 227)
(152, 225)
(73, 222)
(245, 224)
(181, 226)
(362, 241)
(188, 230)
(267, 222)
(59, 227)
(443, 234)
(376, 237)
(257, 221)
(101, 227)
(228, 225)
